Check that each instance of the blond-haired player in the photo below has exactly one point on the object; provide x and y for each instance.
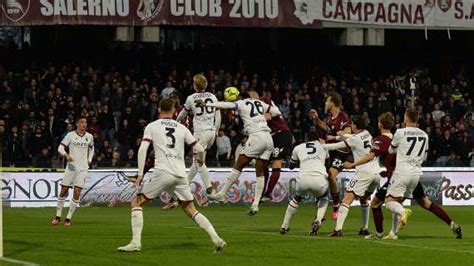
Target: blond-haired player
(79, 157)
(168, 138)
(206, 123)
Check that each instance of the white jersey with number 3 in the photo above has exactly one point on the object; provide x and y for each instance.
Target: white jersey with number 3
(360, 145)
(204, 116)
(168, 138)
(312, 157)
(411, 144)
(252, 113)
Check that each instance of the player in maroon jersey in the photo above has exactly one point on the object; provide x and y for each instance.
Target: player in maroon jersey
(336, 125)
(283, 145)
(380, 147)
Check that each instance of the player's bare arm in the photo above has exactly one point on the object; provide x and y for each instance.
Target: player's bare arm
(369, 157)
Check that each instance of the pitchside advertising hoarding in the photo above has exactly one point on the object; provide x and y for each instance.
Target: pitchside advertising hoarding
(240, 13)
(447, 187)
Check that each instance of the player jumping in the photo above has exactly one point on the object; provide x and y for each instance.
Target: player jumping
(168, 138)
(336, 124)
(206, 123)
(282, 142)
(259, 145)
(312, 178)
(79, 158)
(366, 178)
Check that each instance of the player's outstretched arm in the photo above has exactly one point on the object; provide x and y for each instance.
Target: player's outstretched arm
(222, 105)
(182, 115)
(335, 146)
(367, 158)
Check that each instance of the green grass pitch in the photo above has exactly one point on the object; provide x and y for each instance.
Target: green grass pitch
(171, 238)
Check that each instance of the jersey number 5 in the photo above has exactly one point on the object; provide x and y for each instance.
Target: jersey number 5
(310, 148)
(169, 134)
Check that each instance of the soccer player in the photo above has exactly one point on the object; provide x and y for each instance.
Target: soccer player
(283, 143)
(79, 158)
(411, 146)
(312, 178)
(206, 123)
(168, 138)
(337, 124)
(366, 178)
(259, 145)
(380, 149)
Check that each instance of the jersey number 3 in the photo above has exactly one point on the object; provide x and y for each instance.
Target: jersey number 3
(169, 133)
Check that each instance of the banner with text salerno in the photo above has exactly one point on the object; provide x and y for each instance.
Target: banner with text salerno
(240, 13)
(110, 188)
(228, 13)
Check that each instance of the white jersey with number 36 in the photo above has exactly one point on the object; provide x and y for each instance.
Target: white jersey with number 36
(204, 116)
(411, 145)
(168, 138)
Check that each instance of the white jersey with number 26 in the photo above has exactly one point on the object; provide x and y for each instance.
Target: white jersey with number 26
(168, 138)
(252, 112)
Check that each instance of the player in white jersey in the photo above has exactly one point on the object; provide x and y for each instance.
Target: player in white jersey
(206, 123)
(312, 178)
(259, 145)
(366, 178)
(79, 157)
(411, 145)
(168, 138)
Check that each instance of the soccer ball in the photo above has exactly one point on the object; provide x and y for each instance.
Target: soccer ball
(231, 94)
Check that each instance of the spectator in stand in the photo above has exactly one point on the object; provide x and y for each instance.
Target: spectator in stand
(224, 148)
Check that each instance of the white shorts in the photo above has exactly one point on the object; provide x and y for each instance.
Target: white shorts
(205, 138)
(317, 185)
(259, 146)
(161, 181)
(402, 185)
(74, 178)
(363, 182)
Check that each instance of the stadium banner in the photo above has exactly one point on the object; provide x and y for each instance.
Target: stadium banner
(227, 13)
(390, 13)
(110, 188)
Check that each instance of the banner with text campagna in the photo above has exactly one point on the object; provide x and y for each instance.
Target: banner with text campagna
(228, 13)
(109, 188)
(391, 13)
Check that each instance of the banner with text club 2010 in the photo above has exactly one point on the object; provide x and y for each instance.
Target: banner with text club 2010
(109, 188)
(240, 13)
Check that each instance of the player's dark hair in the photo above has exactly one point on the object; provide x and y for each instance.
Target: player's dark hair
(167, 104)
(359, 121)
(313, 134)
(336, 99)
(412, 115)
(79, 118)
(387, 120)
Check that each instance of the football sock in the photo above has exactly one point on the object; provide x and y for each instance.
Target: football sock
(204, 223)
(395, 223)
(438, 211)
(266, 173)
(322, 206)
(205, 176)
(378, 219)
(365, 216)
(335, 201)
(258, 190)
(273, 181)
(396, 207)
(192, 172)
(59, 207)
(234, 175)
(290, 211)
(341, 216)
(72, 208)
(137, 225)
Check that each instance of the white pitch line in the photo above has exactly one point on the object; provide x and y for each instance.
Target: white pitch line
(346, 239)
(26, 263)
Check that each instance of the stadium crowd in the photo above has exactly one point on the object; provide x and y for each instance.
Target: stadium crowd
(39, 105)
